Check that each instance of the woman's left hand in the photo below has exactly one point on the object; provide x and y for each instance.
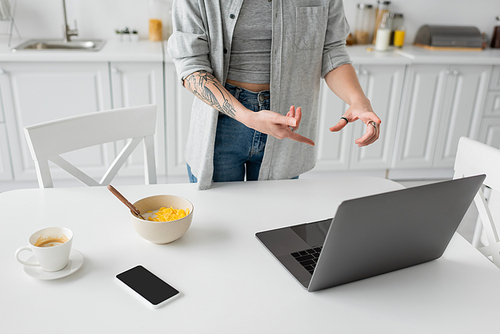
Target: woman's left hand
(365, 113)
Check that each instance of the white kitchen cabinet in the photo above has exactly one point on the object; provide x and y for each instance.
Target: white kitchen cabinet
(332, 148)
(495, 78)
(178, 103)
(466, 91)
(383, 85)
(35, 92)
(5, 167)
(134, 84)
(490, 132)
(440, 104)
(492, 106)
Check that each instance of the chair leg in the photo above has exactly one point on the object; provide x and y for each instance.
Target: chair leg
(478, 231)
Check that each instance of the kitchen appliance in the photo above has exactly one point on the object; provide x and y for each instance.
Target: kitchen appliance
(457, 38)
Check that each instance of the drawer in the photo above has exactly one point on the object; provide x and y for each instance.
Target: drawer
(495, 78)
(492, 105)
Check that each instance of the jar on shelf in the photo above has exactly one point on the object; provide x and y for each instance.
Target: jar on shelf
(398, 29)
(383, 8)
(365, 16)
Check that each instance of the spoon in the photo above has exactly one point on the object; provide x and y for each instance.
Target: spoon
(132, 208)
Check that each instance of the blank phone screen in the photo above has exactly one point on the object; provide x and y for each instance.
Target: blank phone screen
(147, 284)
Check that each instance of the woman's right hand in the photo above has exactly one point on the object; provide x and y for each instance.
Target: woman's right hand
(278, 126)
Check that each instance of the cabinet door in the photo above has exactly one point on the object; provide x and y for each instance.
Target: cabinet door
(178, 110)
(462, 110)
(135, 84)
(490, 132)
(38, 92)
(383, 85)
(333, 148)
(423, 99)
(492, 106)
(5, 169)
(495, 78)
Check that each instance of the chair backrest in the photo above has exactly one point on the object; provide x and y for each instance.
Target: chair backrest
(475, 158)
(47, 141)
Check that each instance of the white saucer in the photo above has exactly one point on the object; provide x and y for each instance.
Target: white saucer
(75, 262)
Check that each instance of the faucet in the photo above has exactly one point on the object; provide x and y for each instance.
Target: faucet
(67, 32)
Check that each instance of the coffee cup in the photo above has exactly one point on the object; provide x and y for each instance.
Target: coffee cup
(51, 247)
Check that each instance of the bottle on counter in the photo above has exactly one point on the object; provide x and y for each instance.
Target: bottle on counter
(383, 34)
(365, 16)
(398, 29)
(495, 38)
(382, 9)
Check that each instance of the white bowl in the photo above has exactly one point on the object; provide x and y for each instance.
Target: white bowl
(162, 232)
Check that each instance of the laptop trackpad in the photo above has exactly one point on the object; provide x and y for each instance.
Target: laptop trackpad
(313, 233)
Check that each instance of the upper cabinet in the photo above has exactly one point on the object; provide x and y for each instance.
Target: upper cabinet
(440, 104)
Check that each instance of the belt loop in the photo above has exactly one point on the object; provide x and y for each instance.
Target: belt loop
(237, 92)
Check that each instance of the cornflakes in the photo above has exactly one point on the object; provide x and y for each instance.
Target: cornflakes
(167, 214)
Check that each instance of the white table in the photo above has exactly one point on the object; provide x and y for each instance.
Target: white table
(230, 283)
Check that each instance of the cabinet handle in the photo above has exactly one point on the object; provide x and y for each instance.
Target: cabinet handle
(455, 72)
(2, 71)
(114, 70)
(364, 72)
(446, 72)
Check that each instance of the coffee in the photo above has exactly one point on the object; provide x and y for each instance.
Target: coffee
(50, 241)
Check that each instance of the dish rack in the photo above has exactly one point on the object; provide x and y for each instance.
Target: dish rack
(7, 24)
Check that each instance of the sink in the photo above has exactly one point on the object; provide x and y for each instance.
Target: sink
(56, 45)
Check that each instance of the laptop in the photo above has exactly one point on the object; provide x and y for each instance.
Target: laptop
(373, 235)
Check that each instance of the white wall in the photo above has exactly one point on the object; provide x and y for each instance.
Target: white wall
(99, 18)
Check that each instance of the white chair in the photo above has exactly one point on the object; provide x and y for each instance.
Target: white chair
(47, 141)
(475, 158)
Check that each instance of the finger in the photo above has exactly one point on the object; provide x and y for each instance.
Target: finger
(285, 120)
(291, 112)
(339, 126)
(298, 115)
(370, 136)
(301, 139)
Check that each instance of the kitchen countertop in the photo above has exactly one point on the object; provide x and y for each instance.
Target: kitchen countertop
(143, 51)
(364, 54)
(423, 56)
(146, 51)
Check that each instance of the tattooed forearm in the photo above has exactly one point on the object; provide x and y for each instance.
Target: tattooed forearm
(206, 87)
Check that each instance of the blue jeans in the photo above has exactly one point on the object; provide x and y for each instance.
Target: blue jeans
(238, 150)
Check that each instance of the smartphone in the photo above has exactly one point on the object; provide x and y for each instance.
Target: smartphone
(153, 289)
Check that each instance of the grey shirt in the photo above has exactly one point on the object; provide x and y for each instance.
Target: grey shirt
(308, 41)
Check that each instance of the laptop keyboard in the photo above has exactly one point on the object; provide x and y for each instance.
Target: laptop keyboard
(308, 258)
